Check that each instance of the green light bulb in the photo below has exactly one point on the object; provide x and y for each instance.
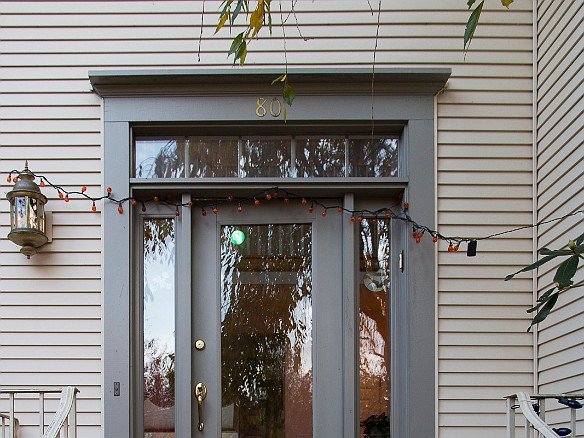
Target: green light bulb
(237, 237)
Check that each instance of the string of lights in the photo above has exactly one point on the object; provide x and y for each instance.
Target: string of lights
(395, 212)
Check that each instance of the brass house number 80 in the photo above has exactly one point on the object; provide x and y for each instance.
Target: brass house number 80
(274, 107)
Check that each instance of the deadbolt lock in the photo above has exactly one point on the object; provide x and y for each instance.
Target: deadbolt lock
(200, 344)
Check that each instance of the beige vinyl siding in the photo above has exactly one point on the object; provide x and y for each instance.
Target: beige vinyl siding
(50, 116)
(560, 140)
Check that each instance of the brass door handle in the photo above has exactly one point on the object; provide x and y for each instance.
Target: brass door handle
(200, 393)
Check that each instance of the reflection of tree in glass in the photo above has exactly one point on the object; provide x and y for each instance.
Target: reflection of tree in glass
(373, 158)
(169, 161)
(159, 238)
(158, 375)
(266, 157)
(266, 326)
(374, 308)
(320, 157)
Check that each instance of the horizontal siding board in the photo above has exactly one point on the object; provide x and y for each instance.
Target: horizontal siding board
(62, 285)
(51, 325)
(20, 37)
(53, 340)
(477, 271)
(50, 366)
(484, 124)
(50, 126)
(484, 298)
(352, 14)
(361, 38)
(486, 205)
(479, 339)
(484, 366)
(484, 379)
(213, 7)
(472, 325)
(33, 312)
(50, 113)
(488, 181)
(44, 86)
(336, 56)
(50, 299)
(51, 100)
(14, 153)
(463, 352)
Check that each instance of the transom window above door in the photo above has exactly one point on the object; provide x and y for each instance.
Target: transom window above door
(266, 157)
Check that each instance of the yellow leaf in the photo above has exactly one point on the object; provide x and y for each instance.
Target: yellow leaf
(506, 3)
(256, 21)
(222, 22)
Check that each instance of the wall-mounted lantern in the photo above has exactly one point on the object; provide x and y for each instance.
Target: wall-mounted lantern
(28, 225)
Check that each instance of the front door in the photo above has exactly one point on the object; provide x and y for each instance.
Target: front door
(267, 322)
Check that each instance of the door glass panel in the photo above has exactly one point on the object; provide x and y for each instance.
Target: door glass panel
(159, 324)
(374, 312)
(266, 330)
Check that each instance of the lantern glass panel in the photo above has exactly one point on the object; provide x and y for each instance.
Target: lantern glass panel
(27, 212)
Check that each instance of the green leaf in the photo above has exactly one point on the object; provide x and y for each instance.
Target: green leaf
(237, 41)
(542, 300)
(470, 3)
(506, 3)
(566, 271)
(557, 252)
(241, 53)
(545, 310)
(237, 10)
(579, 249)
(580, 240)
(289, 94)
(544, 297)
(532, 266)
(471, 24)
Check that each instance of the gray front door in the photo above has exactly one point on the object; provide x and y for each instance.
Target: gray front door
(267, 310)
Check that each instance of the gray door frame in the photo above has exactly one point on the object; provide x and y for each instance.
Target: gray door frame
(404, 98)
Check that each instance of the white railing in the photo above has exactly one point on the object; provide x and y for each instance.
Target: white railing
(63, 423)
(535, 421)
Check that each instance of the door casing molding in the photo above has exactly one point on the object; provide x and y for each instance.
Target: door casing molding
(404, 97)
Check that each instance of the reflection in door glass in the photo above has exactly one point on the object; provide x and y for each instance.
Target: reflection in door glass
(266, 331)
(159, 319)
(160, 158)
(374, 312)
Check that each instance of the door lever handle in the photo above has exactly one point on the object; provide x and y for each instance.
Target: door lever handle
(200, 393)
